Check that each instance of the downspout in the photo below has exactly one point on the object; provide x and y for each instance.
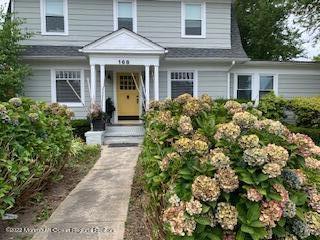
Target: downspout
(229, 79)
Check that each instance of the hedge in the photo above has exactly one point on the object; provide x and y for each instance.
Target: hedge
(215, 171)
(35, 140)
(80, 127)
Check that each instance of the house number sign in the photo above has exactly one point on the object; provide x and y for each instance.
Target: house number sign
(124, 62)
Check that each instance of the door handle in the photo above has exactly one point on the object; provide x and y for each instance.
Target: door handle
(138, 99)
(128, 97)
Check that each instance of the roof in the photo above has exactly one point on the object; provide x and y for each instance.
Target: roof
(236, 51)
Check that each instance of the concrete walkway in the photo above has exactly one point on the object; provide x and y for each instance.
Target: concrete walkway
(97, 208)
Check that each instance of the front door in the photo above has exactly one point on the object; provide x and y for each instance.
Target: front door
(128, 96)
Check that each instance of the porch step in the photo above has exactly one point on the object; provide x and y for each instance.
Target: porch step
(124, 134)
(124, 131)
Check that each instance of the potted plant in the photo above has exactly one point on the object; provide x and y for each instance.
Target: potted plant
(97, 118)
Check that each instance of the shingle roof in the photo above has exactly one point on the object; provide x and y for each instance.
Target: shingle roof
(236, 51)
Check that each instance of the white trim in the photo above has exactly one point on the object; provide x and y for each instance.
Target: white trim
(147, 84)
(134, 14)
(203, 20)
(54, 87)
(156, 83)
(115, 97)
(43, 19)
(195, 81)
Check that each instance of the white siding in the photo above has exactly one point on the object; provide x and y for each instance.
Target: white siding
(212, 83)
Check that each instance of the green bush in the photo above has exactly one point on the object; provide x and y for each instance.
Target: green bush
(307, 110)
(35, 140)
(80, 127)
(218, 171)
(273, 107)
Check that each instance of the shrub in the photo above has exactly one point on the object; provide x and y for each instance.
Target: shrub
(80, 127)
(307, 111)
(35, 140)
(218, 171)
(273, 107)
(314, 133)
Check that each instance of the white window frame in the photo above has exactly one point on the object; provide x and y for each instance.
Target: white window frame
(44, 23)
(195, 81)
(134, 14)
(203, 20)
(255, 84)
(54, 87)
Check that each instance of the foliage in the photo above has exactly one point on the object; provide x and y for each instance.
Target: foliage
(80, 127)
(314, 133)
(273, 107)
(307, 110)
(316, 58)
(35, 140)
(308, 12)
(265, 32)
(12, 69)
(218, 171)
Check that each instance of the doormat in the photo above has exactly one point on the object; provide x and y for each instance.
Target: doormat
(118, 145)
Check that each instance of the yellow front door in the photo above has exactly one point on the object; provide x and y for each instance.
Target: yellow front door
(128, 95)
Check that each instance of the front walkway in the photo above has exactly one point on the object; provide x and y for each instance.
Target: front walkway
(97, 207)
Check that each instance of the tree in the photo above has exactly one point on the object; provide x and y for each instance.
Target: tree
(316, 58)
(265, 32)
(308, 13)
(12, 69)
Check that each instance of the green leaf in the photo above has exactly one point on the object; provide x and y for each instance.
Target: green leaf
(240, 235)
(205, 208)
(274, 196)
(203, 221)
(256, 224)
(247, 229)
(253, 212)
(262, 177)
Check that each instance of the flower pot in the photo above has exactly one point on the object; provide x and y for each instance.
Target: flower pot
(99, 125)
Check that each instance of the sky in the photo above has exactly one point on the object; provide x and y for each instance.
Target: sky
(310, 50)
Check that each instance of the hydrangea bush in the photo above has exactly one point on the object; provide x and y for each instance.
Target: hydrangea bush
(35, 139)
(223, 171)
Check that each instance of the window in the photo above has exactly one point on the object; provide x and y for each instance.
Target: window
(54, 17)
(127, 83)
(193, 20)
(125, 15)
(68, 87)
(182, 82)
(244, 90)
(266, 85)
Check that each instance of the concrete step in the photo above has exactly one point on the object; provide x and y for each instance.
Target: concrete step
(123, 140)
(124, 131)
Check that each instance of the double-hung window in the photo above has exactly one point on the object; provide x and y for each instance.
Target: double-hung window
(244, 90)
(266, 85)
(125, 15)
(193, 20)
(54, 17)
(182, 82)
(68, 87)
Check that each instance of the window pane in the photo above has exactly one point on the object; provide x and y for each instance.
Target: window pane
(244, 82)
(244, 94)
(65, 94)
(54, 24)
(180, 87)
(193, 11)
(193, 27)
(125, 23)
(125, 10)
(54, 7)
(266, 82)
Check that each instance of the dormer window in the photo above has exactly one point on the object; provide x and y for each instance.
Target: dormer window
(54, 17)
(193, 20)
(125, 15)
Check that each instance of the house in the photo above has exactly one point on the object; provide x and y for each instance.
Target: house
(134, 51)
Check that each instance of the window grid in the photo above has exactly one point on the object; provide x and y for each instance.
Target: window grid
(67, 83)
(182, 82)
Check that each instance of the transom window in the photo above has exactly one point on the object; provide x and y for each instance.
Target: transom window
(244, 90)
(266, 85)
(193, 20)
(182, 82)
(68, 87)
(125, 14)
(54, 17)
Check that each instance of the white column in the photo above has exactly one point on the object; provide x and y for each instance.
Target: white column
(147, 76)
(156, 83)
(93, 84)
(102, 87)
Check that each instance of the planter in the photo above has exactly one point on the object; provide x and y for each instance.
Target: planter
(98, 125)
